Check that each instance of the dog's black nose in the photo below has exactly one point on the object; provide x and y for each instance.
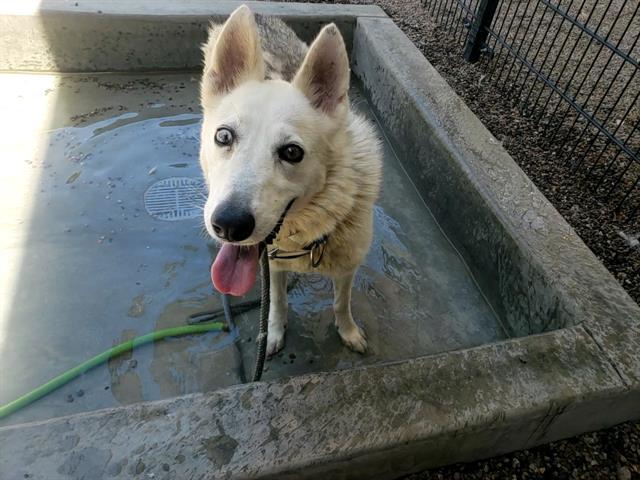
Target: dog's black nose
(232, 223)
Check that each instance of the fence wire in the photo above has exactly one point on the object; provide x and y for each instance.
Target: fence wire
(571, 66)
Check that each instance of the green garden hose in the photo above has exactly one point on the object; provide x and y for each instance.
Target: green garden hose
(57, 382)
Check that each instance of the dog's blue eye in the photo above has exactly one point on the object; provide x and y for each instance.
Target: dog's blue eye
(291, 153)
(224, 137)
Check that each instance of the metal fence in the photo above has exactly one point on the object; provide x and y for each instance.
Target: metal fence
(571, 66)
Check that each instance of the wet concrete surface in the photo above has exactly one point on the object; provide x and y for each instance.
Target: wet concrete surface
(83, 265)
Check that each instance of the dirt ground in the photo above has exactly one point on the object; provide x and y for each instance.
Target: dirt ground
(608, 454)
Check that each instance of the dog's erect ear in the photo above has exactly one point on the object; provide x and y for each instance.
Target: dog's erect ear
(233, 54)
(324, 74)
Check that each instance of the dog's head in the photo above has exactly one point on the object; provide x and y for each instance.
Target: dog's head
(265, 143)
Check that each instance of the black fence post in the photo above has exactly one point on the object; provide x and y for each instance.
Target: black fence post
(479, 29)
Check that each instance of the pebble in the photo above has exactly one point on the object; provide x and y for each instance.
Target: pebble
(624, 473)
(140, 466)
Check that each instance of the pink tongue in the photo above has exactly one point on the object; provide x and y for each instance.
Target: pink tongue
(234, 270)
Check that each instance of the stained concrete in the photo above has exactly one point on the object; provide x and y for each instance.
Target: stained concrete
(381, 421)
(113, 271)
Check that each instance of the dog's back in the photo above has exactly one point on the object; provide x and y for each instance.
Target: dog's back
(283, 51)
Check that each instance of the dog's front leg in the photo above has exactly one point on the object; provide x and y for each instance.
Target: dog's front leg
(277, 311)
(351, 334)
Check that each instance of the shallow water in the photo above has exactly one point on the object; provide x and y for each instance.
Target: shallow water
(92, 253)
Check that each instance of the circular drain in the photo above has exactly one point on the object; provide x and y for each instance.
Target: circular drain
(175, 198)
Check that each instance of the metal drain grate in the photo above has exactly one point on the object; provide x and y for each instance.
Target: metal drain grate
(175, 198)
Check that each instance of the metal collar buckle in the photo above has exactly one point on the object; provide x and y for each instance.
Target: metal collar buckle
(315, 250)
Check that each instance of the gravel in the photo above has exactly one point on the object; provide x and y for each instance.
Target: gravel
(608, 454)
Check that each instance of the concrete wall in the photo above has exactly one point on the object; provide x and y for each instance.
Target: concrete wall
(141, 35)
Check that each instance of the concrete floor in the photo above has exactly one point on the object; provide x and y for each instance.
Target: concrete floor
(83, 265)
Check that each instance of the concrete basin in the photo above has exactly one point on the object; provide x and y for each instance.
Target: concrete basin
(492, 327)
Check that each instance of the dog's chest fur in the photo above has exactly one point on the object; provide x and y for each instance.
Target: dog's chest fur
(343, 210)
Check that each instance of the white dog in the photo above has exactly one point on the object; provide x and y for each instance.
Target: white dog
(287, 161)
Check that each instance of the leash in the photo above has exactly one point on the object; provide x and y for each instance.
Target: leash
(265, 297)
(315, 250)
(265, 302)
(274, 233)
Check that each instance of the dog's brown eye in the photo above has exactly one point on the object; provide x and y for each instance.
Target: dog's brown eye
(224, 137)
(291, 153)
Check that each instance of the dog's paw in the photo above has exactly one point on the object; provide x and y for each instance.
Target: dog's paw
(275, 341)
(354, 338)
